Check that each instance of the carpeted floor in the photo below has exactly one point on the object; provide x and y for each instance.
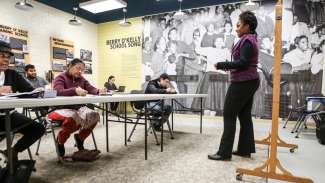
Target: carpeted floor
(184, 159)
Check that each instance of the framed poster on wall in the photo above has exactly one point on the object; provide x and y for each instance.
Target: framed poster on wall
(86, 55)
(18, 40)
(62, 51)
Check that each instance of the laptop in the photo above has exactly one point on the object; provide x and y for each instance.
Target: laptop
(121, 88)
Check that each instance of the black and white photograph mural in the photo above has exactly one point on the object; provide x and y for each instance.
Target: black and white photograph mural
(187, 47)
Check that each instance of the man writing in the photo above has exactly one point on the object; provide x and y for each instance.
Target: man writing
(160, 86)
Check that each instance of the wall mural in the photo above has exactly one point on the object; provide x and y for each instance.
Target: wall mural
(188, 46)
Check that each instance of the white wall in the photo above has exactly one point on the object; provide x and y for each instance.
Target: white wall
(43, 22)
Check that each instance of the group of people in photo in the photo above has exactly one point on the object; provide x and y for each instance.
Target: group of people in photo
(193, 43)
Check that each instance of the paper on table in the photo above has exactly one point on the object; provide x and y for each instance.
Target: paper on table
(19, 94)
(6, 97)
(106, 94)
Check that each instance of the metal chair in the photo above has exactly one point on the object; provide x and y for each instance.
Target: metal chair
(138, 108)
(53, 124)
(301, 113)
(313, 112)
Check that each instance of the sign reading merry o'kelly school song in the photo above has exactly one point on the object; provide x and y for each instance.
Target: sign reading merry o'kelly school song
(127, 42)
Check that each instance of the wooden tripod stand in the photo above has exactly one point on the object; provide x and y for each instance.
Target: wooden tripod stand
(280, 142)
(270, 167)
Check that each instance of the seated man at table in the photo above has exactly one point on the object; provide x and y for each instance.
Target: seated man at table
(36, 82)
(31, 76)
(160, 86)
(11, 82)
(75, 117)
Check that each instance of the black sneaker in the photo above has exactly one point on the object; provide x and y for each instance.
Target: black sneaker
(79, 142)
(61, 148)
(157, 127)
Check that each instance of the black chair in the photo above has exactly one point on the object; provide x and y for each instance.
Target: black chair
(299, 111)
(138, 108)
(301, 114)
(314, 114)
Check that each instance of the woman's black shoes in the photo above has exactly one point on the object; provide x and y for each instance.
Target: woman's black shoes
(218, 157)
(222, 158)
(236, 153)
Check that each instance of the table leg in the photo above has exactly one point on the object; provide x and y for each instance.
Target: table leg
(162, 127)
(145, 133)
(106, 122)
(9, 141)
(172, 114)
(201, 114)
(125, 125)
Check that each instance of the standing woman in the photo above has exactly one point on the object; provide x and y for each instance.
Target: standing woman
(240, 95)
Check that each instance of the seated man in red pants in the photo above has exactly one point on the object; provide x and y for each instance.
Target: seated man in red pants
(72, 83)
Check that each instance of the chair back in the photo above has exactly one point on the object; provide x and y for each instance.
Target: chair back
(137, 105)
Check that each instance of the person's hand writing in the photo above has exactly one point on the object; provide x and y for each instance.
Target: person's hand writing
(5, 89)
(171, 90)
(81, 92)
(38, 89)
(102, 91)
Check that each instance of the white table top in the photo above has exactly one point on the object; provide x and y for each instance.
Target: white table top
(42, 102)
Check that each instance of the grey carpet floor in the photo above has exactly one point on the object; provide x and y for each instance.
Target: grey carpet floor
(184, 159)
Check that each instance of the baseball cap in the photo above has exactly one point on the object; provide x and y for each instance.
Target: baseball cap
(5, 48)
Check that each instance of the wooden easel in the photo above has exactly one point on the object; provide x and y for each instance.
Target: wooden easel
(280, 142)
(269, 168)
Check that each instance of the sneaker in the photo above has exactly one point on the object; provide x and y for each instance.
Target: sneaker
(61, 148)
(79, 142)
(157, 127)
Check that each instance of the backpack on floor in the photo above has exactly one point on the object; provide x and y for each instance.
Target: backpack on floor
(3, 165)
(22, 171)
(83, 155)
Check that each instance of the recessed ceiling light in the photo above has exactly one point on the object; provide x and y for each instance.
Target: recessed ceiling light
(98, 6)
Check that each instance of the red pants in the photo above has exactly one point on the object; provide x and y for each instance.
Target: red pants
(68, 126)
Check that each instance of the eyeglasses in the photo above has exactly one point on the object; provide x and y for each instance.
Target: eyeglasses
(81, 69)
(5, 55)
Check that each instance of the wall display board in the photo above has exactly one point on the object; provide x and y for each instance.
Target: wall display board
(86, 55)
(18, 40)
(62, 52)
(88, 68)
